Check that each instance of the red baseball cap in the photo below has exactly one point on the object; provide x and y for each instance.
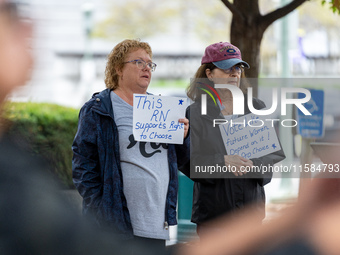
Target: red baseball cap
(223, 55)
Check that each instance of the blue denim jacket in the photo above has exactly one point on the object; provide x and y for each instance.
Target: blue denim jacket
(97, 172)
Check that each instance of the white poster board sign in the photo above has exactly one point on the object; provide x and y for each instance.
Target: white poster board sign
(250, 136)
(155, 118)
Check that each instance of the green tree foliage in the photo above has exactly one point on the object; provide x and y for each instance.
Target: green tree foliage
(249, 24)
(135, 19)
(205, 19)
(48, 130)
(208, 19)
(141, 19)
(325, 19)
(334, 5)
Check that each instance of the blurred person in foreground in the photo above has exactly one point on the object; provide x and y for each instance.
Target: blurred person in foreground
(34, 217)
(310, 227)
(16, 59)
(231, 191)
(126, 185)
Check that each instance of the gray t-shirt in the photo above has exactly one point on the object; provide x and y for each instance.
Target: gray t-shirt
(145, 172)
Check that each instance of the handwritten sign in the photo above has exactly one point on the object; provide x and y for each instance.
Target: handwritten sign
(249, 136)
(155, 118)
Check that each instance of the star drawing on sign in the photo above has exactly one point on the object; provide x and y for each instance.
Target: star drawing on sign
(274, 146)
(180, 102)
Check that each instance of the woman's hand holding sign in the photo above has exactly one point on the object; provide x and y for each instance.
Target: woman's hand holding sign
(185, 121)
(238, 164)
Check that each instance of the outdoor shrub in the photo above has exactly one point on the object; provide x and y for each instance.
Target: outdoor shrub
(49, 130)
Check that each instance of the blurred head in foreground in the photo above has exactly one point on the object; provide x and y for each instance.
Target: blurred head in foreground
(15, 49)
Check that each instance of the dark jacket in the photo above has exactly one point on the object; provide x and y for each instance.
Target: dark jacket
(97, 172)
(36, 216)
(214, 197)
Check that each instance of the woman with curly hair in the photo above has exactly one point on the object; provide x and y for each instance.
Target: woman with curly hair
(126, 185)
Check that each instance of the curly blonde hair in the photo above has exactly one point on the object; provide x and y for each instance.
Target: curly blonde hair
(117, 57)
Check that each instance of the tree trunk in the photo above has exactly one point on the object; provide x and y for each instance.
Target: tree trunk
(246, 33)
(250, 49)
(248, 27)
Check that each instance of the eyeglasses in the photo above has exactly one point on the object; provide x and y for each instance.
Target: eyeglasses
(141, 64)
(237, 69)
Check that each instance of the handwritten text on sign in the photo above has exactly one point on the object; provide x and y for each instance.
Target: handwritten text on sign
(249, 137)
(155, 118)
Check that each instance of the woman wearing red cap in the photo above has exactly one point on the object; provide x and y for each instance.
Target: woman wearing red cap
(215, 195)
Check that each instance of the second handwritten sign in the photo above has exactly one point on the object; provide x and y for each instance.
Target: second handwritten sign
(250, 137)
